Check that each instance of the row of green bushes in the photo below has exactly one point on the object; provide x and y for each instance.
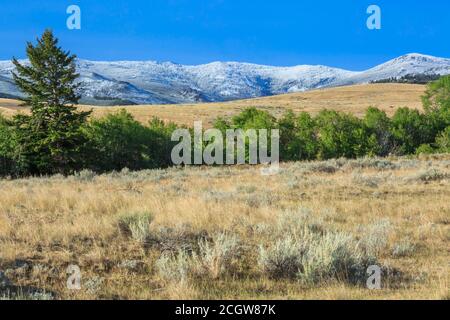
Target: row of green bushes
(332, 134)
(118, 141)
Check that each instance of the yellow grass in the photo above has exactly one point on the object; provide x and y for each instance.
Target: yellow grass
(354, 99)
(48, 223)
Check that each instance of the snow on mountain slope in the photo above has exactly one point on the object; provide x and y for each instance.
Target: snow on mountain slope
(231, 80)
(97, 87)
(149, 82)
(405, 65)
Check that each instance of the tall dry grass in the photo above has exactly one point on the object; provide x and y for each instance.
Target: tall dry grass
(207, 226)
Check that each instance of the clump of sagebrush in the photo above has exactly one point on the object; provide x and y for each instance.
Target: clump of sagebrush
(174, 267)
(217, 256)
(136, 225)
(313, 257)
(260, 199)
(311, 254)
(403, 249)
(246, 189)
(329, 166)
(364, 180)
(367, 162)
(179, 237)
(374, 237)
(282, 259)
(335, 256)
(428, 175)
(294, 221)
(85, 175)
(214, 258)
(218, 196)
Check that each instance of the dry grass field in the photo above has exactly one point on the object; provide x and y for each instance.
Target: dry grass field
(354, 99)
(229, 232)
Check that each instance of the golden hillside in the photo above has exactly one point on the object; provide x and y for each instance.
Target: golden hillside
(353, 99)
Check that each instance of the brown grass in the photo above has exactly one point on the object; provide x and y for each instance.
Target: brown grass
(48, 223)
(354, 99)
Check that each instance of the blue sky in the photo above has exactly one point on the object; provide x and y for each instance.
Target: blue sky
(283, 32)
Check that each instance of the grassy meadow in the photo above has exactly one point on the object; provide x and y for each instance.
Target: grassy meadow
(308, 232)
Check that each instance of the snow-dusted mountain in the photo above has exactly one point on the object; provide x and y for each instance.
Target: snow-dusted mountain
(149, 82)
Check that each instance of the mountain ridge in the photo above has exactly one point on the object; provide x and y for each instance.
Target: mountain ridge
(152, 82)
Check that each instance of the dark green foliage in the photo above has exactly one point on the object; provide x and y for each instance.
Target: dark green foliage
(7, 163)
(298, 137)
(411, 79)
(250, 118)
(118, 141)
(437, 96)
(410, 129)
(443, 141)
(425, 149)
(436, 102)
(49, 140)
(379, 126)
(343, 135)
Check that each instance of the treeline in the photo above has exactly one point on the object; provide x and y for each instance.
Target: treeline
(333, 134)
(411, 79)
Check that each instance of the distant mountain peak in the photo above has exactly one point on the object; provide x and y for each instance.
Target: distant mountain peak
(154, 82)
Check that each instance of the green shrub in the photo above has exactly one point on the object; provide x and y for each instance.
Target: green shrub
(410, 129)
(379, 125)
(298, 137)
(119, 141)
(437, 98)
(6, 152)
(252, 118)
(343, 135)
(249, 119)
(425, 149)
(443, 141)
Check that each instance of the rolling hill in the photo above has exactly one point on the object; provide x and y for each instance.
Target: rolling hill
(354, 99)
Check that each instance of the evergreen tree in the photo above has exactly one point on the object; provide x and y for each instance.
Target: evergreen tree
(50, 138)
